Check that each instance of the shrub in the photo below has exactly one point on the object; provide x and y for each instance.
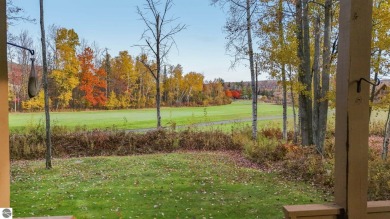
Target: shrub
(81, 142)
(304, 163)
(272, 132)
(207, 140)
(264, 150)
(378, 180)
(377, 127)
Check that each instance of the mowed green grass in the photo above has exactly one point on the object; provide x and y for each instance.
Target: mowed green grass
(179, 185)
(145, 118)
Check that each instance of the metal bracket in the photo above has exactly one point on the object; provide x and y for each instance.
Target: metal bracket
(32, 52)
(359, 83)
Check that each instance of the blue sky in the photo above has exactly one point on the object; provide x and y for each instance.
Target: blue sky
(116, 25)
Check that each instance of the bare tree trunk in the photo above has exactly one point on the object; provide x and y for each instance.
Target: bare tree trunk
(251, 64)
(377, 69)
(164, 96)
(158, 103)
(284, 85)
(316, 83)
(299, 33)
(295, 140)
(107, 68)
(326, 61)
(163, 40)
(307, 75)
(386, 136)
(158, 60)
(299, 131)
(45, 87)
(304, 73)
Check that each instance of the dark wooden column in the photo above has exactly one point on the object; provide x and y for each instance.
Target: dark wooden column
(352, 119)
(4, 136)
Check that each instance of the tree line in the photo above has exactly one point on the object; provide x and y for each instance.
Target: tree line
(84, 76)
(295, 42)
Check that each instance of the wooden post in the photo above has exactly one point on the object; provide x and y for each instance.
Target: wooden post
(352, 120)
(4, 135)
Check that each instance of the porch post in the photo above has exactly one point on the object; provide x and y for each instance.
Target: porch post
(352, 117)
(4, 135)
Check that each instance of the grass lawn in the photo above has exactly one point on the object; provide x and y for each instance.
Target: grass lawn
(379, 116)
(180, 185)
(145, 118)
(232, 127)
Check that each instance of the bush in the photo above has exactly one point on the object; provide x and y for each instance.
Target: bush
(264, 150)
(81, 142)
(272, 132)
(377, 127)
(378, 180)
(304, 163)
(207, 140)
(291, 161)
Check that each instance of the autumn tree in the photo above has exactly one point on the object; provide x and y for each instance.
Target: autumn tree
(304, 70)
(380, 43)
(214, 93)
(106, 64)
(275, 52)
(239, 28)
(66, 75)
(124, 76)
(236, 94)
(92, 80)
(384, 104)
(146, 85)
(35, 104)
(229, 93)
(112, 102)
(193, 83)
(159, 40)
(328, 52)
(174, 85)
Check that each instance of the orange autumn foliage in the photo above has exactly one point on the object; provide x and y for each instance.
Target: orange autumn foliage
(92, 81)
(228, 93)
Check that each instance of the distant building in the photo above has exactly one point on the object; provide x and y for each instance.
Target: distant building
(382, 90)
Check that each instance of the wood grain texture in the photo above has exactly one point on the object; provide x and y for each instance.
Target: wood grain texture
(4, 132)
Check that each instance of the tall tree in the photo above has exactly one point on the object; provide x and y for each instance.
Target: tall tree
(66, 74)
(281, 42)
(146, 84)
(239, 28)
(45, 88)
(380, 46)
(325, 77)
(193, 83)
(304, 72)
(316, 83)
(159, 40)
(278, 46)
(107, 68)
(124, 72)
(92, 80)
